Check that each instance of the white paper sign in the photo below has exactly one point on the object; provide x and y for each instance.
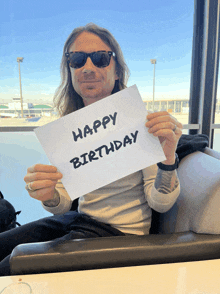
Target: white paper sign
(101, 143)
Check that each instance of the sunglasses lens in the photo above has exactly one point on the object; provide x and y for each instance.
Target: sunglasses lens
(77, 60)
(101, 59)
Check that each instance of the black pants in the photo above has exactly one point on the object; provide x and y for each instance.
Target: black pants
(71, 225)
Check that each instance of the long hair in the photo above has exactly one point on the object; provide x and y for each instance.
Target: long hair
(66, 99)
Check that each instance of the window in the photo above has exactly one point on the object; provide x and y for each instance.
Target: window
(181, 38)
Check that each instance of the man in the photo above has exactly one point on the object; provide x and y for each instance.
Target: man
(92, 69)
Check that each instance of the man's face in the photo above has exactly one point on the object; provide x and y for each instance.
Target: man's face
(90, 82)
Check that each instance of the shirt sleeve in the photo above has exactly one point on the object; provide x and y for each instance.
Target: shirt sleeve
(161, 188)
(64, 201)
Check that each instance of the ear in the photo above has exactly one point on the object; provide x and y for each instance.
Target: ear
(116, 76)
(1, 195)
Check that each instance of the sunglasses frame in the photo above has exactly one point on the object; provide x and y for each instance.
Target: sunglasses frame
(111, 53)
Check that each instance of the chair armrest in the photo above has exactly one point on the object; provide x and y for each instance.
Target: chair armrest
(108, 252)
(212, 153)
(197, 207)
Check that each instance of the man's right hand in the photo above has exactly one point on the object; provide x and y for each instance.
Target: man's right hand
(43, 179)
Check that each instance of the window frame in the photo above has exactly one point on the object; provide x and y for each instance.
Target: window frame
(204, 69)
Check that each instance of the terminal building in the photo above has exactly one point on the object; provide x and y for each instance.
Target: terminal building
(30, 109)
(173, 106)
(13, 109)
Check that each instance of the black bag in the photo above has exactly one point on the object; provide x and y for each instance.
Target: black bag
(8, 216)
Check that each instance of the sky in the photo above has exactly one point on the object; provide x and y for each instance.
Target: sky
(37, 31)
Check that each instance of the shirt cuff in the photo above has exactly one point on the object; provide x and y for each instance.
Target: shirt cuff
(162, 202)
(63, 206)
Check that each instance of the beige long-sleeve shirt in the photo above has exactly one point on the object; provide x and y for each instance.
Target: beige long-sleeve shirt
(126, 203)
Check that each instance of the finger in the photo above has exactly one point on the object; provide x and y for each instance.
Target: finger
(36, 185)
(178, 124)
(42, 194)
(161, 116)
(164, 118)
(38, 176)
(169, 134)
(156, 114)
(169, 126)
(42, 168)
(164, 125)
(165, 133)
(158, 119)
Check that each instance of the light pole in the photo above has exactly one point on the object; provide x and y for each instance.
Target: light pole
(153, 61)
(20, 59)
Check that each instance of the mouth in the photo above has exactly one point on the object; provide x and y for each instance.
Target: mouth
(90, 81)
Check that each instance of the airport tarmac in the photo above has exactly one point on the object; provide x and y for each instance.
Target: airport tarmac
(18, 122)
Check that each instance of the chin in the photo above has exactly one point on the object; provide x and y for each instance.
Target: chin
(91, 93)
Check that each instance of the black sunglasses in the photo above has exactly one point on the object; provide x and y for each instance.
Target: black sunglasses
(99, 58)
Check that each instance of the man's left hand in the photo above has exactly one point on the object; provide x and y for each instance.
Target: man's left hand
(167, 128)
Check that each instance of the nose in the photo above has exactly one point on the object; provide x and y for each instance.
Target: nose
(88, 66)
